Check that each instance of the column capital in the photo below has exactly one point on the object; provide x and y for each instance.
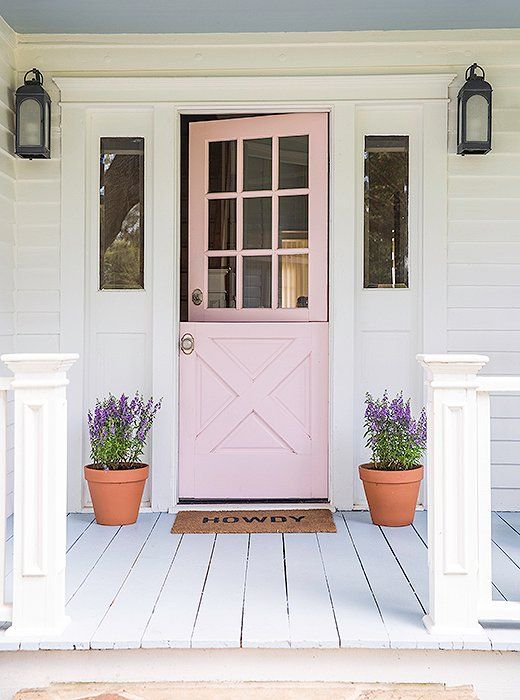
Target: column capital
(452, 370)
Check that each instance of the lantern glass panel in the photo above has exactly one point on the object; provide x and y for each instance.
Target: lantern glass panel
(29, 117)
(477, 118)
(47, 125)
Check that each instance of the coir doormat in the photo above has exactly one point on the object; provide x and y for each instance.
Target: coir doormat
(253, 521)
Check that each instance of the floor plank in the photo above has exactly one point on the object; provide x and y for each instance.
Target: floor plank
(173, 618)
(412, 556)
(311, 617)
(357, 615)
(219, 620)
(266, 620)
(399, 606)
(91, 602)
(125, 622)
(77, 524)
(84, 555)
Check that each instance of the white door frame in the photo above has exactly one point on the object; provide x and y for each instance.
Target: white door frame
(81, 97)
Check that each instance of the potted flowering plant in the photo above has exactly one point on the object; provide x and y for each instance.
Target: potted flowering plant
(397, 441)
(118, 429)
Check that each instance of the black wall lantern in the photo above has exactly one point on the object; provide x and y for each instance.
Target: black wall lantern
(474, 113)
(33, 118)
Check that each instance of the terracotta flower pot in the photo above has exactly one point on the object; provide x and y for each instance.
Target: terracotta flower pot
(391, 495)
(116, 493)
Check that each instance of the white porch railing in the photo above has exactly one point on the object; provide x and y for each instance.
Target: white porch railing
(459, 495)
(40, 477)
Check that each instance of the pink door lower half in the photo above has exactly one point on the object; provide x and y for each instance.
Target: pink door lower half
(254, 412)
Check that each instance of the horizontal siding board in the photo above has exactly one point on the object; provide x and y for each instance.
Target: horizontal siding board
(482, 296)
(35, 235)
(496, 252)
(37, 278)
(38, 301)
(483, 274)
(41, 323)
(484, 319)
(498, 187)
(482, 341)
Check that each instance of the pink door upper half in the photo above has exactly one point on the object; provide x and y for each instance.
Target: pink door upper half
(254, 386)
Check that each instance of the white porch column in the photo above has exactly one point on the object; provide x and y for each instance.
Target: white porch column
(452, 496)
(40, 482)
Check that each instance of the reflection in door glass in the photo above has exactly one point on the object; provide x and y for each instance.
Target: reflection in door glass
(258, 161)
(386, 211)
(121, 213)
(222, 166)
(257, 282)
(222, 283)
(293, 226)
(293, 162)
(222, 224)
(293, 281)
(257, 222)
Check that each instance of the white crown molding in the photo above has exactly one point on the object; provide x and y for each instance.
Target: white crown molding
(272, 88)
(452, 36)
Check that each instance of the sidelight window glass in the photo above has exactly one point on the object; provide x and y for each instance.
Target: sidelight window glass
(121, 213)
(386, 211)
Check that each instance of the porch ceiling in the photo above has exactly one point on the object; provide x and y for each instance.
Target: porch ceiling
(199, 16)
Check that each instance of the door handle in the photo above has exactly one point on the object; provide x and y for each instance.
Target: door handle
(187, 343)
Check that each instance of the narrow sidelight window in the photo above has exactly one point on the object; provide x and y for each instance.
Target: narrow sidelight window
(121, 213)
(386, 212)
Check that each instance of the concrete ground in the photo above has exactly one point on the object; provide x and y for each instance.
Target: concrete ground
(245, 691)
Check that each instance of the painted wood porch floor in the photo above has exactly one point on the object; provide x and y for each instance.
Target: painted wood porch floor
(365, 586)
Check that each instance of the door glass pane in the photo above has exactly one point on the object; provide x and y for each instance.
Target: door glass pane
(221, 283)
(258, 163)
(257, 282)
(257, 222)
(222, 166)
(293, 227)
(222, 226)
(293, 281)
(121, 213)
(293, 162)
(386, 212)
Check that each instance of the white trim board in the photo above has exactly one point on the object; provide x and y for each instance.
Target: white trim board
(220, 89)
(82, 97)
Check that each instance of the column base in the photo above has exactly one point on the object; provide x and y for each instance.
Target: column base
(452, 632)
(27, 632)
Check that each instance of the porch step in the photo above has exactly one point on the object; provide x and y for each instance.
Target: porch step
(246, 691)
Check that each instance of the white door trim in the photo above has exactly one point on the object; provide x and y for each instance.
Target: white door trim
(169, 98)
